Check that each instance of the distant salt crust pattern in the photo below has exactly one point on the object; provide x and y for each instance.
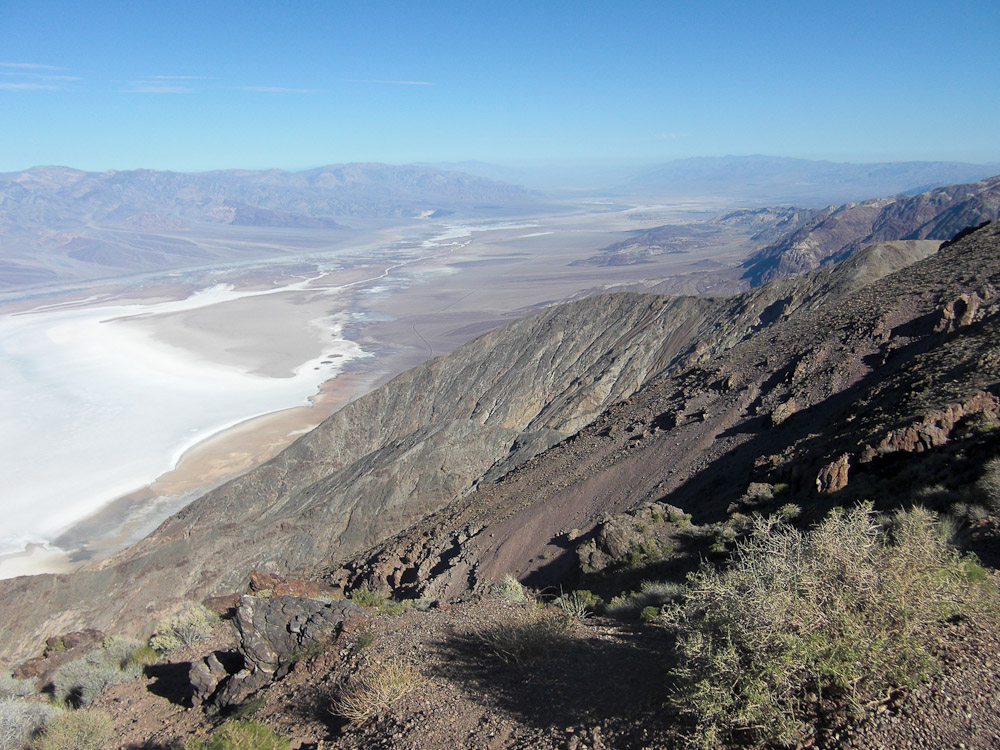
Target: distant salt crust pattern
(92, 408)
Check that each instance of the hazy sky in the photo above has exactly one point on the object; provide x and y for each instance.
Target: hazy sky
(202, 85)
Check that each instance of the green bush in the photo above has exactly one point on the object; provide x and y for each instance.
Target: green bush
(186, 628)
(367, 598)
(142, 656)
(118, 649)
(239, 735)
(847, 609)
(650, 594)
(86, 729)
(20, 719)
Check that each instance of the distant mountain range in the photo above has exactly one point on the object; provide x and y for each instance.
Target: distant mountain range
(759, 180)
(55, 221)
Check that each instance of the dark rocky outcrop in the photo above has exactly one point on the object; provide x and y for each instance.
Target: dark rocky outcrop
(273, 634)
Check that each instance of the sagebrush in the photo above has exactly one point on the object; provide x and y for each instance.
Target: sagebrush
(192, 624)
(847, 610)
(20, 719)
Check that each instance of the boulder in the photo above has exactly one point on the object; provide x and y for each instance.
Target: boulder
(275, 633)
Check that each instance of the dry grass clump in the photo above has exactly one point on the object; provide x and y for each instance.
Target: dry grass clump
(86, 729)
(844, 611)
(374, 690)
(520, 642)
(240, 735)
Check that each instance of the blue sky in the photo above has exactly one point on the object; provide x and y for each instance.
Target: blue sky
(193, 86)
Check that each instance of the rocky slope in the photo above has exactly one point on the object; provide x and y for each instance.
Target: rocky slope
(838, 231)
(878, 391)
(427, 438)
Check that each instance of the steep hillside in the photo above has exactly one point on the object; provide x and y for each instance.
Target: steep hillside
(427, 438)
(887, 391)
(837, 231)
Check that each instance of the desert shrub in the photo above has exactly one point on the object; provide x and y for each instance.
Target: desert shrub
(186, 628)
(650, 594)
(239, 735)
(579, 604)
(374, 690)
(845, 609)
(988, 486)
(20, 719)
(142, 656)
(11, 687)
(86, 729)
(119, 648)
(523, 641)
(511, 590)
(365, 597)
(82, 680)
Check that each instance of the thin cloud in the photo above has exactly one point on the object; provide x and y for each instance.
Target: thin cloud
(28, 66)
(27, 87)
(32, 77)
(280, 90)
(38, 76)
(397, 83)
(175, 78)
(150, 88)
